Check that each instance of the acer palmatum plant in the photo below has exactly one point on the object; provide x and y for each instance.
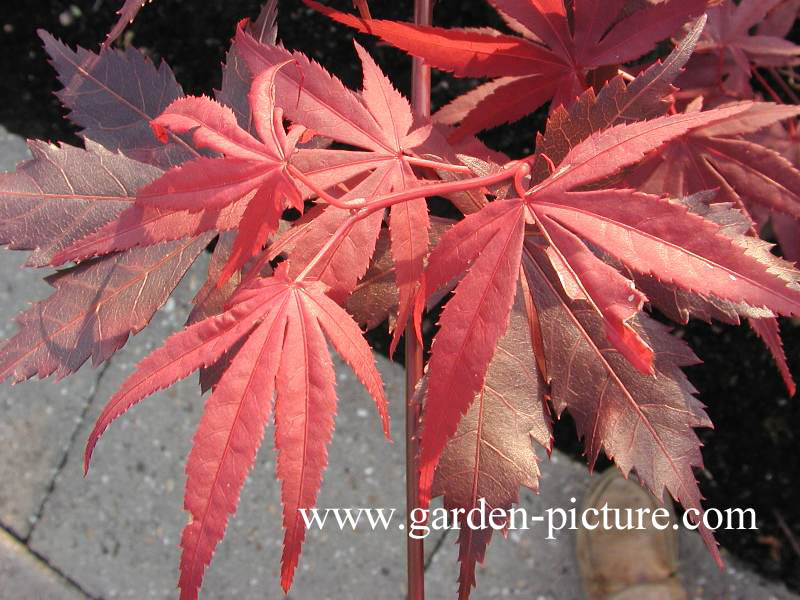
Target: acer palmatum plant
(640, 195)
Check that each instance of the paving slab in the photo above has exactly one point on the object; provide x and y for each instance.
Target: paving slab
(24, 577)
(38, 419)
(117, 531)
(526, 565)
(122, 526)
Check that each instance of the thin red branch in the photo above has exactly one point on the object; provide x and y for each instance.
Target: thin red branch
(415, 550)
(364, 209)
(439, 166)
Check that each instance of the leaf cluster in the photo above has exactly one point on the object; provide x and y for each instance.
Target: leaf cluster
(649, 188)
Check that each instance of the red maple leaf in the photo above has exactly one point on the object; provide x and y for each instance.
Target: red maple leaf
(647, 234)
(494, 437)
(754, 178)
(378, 120)
(51, 201)
(279, 326)
(547, 63)
(729, 49)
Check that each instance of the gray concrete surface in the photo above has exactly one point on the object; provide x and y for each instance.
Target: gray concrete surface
(23, 576)
(115, 534)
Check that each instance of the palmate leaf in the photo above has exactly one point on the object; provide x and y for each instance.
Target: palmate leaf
(276, 328)
(646, 234)
(249, 166)
(557, 275)
(701, 252)
(595, 158)
(641, 422)
(492, 239)
(52, 202)
(252, 173)
(748, 174)
(243, 188)
(529, 73)
(314, 98)
(668, 171)
(730, 48)
(380, 120)
(491, 454)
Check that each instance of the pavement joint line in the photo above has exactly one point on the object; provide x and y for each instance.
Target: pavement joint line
(436, 547)
(70, 444)
(68, 581)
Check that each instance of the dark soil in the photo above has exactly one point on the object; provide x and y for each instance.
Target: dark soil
(751, 457)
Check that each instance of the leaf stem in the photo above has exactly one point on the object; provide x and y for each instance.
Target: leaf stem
(295, 172)
(439, 166)
(415, 549)
(348, 205)
(513, 169)
(509, 171)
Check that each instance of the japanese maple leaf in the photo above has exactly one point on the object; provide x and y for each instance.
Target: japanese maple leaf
(647, 234)
(279, 328)
(252, 171)
(53, 200)
(547, 63)
(748, 175)
(378, 120)
(491, 454)
(728, 51)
